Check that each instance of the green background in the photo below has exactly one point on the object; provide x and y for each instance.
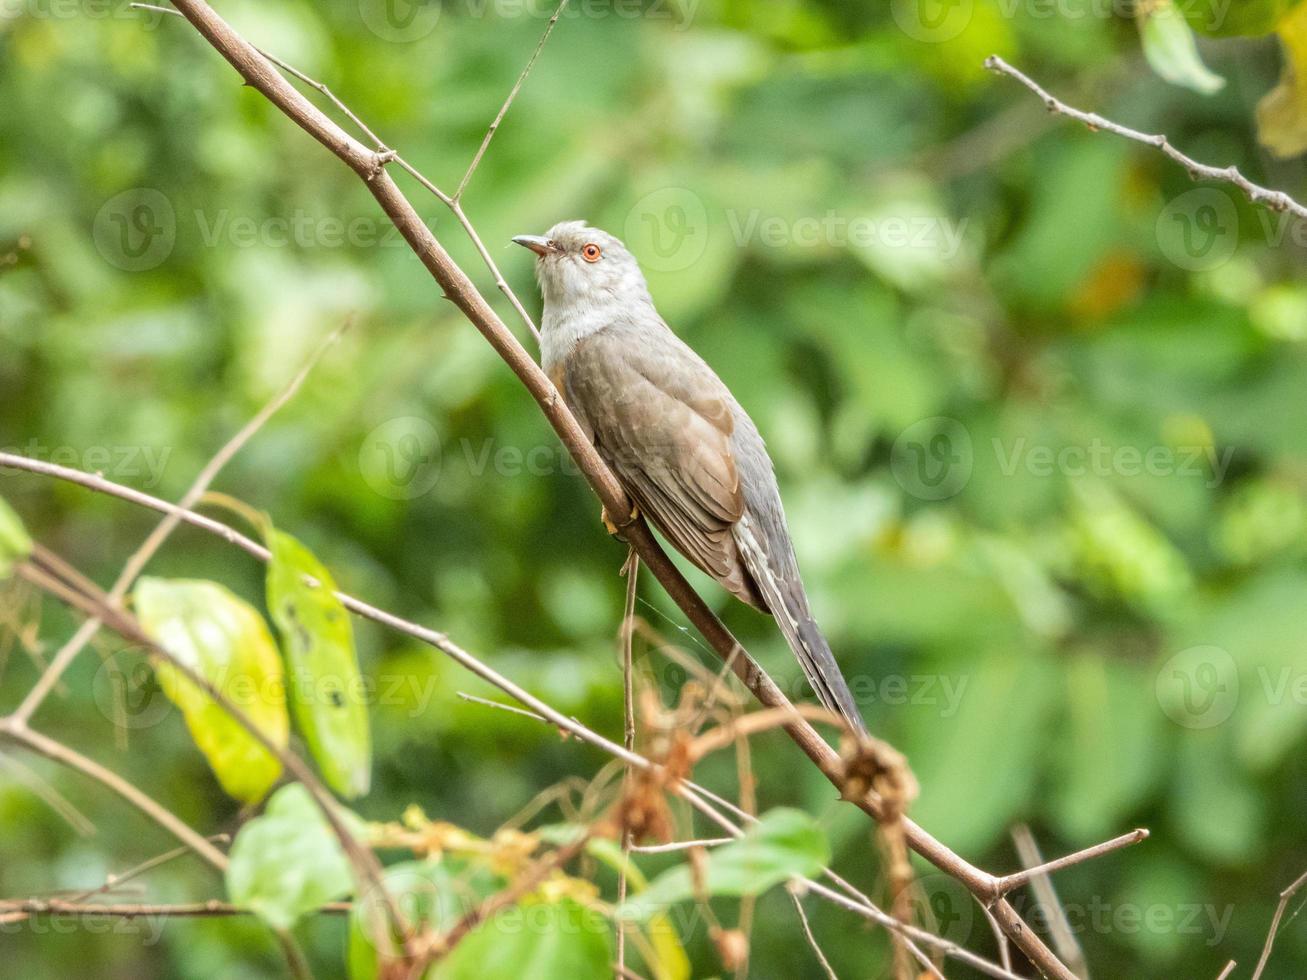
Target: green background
(995, 449)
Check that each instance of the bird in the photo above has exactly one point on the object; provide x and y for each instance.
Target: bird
(688, 455)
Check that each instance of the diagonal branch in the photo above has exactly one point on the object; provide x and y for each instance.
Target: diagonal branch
(696, 795)
(141, 557)
(18, 732)
(364, 863)
(1274, 200)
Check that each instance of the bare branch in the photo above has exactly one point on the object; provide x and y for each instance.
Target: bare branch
(1009, 882)
(697, 795)
(1285, 897)
(1274, 200)
(190, 910)
(364, 863)
(137, 562)
(1064, 939)
(19, 733)
(503, 110)
(812, 940)
(631, 569)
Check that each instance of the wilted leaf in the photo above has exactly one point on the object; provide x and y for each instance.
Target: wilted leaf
(15, 545)
(1171, 50)
(1282, 112)
(288, 861)
(225, 640)
(326, 689)
(534, 941)
(784, 843)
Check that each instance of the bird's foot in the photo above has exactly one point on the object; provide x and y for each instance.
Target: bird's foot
(614, 529)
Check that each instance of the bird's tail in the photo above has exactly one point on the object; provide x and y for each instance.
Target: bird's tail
(783, 591)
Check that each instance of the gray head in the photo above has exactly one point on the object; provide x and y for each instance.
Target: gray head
(583, 266)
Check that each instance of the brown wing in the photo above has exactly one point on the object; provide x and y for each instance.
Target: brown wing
(663, 421)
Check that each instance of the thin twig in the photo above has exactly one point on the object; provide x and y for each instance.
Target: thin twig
(58, 752)
(1009, 882)
(53, 798)
(1285, 896)
(1274, 200)
(627, 636)
(141, 557)
(680, 845)
(1001, 940)
(503, 110)
(113, 882)
(1059, 929)
(812, 940)
(188, 910)
(363, 862)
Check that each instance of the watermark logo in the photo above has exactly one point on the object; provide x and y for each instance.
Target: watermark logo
(932, 21)
(1199, 229)
(933, 459)
(401, 458)
(402, 21)
(668, 228)
(135, 230)
(1198, 687)
(127, 692)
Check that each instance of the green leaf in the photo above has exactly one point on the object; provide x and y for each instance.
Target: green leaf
(430, 894)
(224, 640)
(15, 545)
(783, 844)
(289, 861)
(327, 692)
(534, 941)
(669, 958)
(1282, 112)
(1171, 50)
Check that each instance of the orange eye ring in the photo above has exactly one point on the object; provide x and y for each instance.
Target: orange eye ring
(592, 253)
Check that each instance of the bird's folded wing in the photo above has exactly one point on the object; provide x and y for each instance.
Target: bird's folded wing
(663, 421)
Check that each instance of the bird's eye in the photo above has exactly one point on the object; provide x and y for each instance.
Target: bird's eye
(591, 253)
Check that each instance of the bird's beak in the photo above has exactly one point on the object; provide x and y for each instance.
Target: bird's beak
(536, 243)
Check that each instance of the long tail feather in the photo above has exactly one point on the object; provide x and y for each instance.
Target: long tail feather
(788, 602)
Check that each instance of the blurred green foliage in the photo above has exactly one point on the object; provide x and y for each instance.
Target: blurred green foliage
(1035, 400)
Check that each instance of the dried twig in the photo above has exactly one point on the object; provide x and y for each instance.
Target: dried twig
(698, 796)
(1285, 897)
(1063, 937)
(627, 634)
(1274, 200)
(1009, 882)
(503, 110)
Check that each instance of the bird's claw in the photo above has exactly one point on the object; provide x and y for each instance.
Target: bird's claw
(612, 528)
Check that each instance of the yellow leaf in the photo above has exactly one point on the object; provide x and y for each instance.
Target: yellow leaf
(225, 640)
(1282, 112)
